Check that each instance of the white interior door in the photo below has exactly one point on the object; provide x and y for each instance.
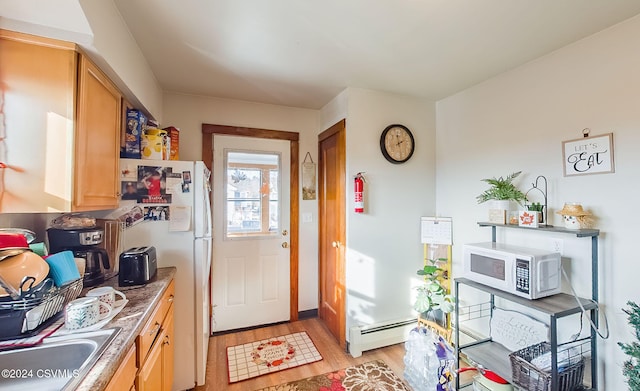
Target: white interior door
(251, 232)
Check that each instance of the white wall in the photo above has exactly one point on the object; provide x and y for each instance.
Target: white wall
(189, 112)
(60, 15)
(383, 244)
(334, 111)
(118, 54)
(517, 121)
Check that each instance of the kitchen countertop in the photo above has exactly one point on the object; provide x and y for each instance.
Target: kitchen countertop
(132, 318)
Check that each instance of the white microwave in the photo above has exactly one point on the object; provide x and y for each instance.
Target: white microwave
(527, 272)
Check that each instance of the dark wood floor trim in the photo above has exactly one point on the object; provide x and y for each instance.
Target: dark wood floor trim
(308, 314)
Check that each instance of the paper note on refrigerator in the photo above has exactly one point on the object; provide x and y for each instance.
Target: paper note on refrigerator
(180, 218)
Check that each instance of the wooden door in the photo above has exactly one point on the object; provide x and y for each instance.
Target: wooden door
(332, 214)
(97, 180)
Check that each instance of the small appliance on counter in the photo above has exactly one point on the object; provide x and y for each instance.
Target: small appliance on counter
(138, 266)
(84, 244)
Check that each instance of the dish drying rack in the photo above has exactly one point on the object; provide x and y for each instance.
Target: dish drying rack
(13, 314)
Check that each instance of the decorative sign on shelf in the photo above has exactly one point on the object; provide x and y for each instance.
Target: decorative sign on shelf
(527, 218)
(588, 155)
(515, 330)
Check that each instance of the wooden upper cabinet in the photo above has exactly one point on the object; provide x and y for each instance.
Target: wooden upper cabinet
(60, 131)
(97, 146)
(37, 92)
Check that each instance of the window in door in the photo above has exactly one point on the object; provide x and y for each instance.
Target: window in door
(251, 194)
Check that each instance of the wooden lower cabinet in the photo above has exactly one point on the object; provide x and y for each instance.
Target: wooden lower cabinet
(150, 375)
(125, 375)
(155, 356)
(167, 352)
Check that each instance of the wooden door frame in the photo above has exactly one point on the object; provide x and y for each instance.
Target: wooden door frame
(209, 130)
(340, 129)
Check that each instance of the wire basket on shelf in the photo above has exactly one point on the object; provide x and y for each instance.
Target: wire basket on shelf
(14, 322)
(532, 378)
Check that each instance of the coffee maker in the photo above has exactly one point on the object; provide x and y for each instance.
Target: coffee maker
(84, 244)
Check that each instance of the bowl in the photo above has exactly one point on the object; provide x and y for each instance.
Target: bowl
(9, 240)
(27, 264)
(29, 235)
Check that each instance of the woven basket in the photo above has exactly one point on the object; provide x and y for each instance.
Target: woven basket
(531, 378)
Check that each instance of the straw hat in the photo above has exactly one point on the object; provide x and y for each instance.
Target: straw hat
(570, 209)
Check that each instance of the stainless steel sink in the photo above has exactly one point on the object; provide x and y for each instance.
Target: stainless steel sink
(59, 363)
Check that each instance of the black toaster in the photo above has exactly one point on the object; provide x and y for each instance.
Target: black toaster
(138, 266)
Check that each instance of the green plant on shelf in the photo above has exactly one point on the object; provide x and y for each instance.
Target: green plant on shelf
(535, 207)
(502, 189)
(432, 296)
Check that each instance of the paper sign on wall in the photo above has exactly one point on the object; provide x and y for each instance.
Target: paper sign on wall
(436, 230)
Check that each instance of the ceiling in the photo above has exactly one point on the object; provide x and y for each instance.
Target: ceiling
(303, 53)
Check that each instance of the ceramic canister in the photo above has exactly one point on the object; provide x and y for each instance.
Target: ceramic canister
(84, 312)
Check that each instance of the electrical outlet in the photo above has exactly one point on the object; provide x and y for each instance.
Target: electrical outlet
(557, 245)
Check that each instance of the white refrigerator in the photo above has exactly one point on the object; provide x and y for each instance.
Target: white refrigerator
(184, 195)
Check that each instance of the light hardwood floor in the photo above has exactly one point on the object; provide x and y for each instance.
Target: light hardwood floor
(333, 357)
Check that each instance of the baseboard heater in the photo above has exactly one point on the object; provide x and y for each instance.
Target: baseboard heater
(363, 338)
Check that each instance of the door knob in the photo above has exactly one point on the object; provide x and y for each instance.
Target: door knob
(335, 244)
(285, 245)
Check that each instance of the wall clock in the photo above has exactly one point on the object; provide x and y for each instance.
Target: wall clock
(397, 144)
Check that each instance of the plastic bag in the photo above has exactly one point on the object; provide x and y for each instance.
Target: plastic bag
(429, 361)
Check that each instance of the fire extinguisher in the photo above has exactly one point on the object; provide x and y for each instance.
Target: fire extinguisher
(359, 193)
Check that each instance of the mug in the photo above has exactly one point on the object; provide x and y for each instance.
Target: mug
(84, 312)
(62, 268)
(107, 295)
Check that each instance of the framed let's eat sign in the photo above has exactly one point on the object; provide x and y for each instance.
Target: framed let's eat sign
(588, 155)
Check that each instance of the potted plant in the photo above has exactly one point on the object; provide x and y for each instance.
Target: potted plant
(432, 296)
(631, 367)
(502, 192)
(536, 207)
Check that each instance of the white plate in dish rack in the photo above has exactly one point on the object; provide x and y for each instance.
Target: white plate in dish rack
(119, 305)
